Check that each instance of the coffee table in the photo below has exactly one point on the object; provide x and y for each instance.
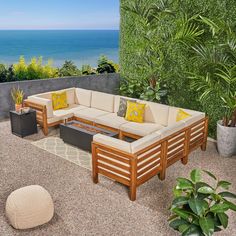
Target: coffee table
(79, 134)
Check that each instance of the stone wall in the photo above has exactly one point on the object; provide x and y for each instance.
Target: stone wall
(108, 83)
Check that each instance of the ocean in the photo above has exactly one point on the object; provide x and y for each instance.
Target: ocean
(80, 46)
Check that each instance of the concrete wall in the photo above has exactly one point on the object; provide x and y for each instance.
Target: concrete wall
(108, 83)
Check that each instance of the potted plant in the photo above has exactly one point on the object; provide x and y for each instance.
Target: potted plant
(17, 95)
(226, 128)
(198, 208)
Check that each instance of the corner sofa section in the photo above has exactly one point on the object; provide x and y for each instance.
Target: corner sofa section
(160, 140)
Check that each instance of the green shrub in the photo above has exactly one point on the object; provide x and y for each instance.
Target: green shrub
(158, 38)
(69, 69)
(105, 66)
(34, 70)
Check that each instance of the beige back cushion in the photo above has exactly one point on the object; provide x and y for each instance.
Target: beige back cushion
(156, 113)
(103, 101)
(83, 97)
(70, 95)
(195, 116)
(70, 92)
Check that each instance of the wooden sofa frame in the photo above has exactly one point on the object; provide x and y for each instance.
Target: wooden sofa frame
(135, 169)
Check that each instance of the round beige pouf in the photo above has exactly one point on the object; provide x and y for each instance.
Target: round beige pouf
(29, 207)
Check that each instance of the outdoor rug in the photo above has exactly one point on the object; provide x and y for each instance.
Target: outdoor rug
(56, 146)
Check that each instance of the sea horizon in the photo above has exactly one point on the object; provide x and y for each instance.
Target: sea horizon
(82, 46)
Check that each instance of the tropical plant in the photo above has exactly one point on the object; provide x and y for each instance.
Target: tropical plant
(152, 55)
(216, 75)
(17, 95)
(105, 65)
(199, 208)
(69, 69)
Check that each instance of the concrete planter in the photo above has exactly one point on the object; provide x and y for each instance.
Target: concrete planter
(226, 140)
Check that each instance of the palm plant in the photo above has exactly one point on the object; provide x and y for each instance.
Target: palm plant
(156, 45)
(217, 71)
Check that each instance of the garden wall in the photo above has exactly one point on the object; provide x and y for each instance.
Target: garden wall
(108, 83)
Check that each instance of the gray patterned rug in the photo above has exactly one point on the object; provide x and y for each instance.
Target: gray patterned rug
(56, 146)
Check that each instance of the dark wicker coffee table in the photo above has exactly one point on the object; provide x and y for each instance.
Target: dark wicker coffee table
(81, 135)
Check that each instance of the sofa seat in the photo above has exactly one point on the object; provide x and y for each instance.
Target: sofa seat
(70, 110)
(111, 120)
(90, 114)
(140, 129)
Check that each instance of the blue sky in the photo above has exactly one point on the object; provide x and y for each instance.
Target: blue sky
(59, 14)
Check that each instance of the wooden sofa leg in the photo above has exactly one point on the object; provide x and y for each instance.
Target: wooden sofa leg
(121, 136)
(45, 130)
(133, 179)
(132, 194)
(94, 163)
(162, 175)
(204, 144)
(184, 160)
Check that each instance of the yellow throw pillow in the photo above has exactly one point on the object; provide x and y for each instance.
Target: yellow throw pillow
(59, 100)
(135, 112)
(181, 115)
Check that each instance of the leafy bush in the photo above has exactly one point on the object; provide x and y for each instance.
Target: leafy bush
(3, 73)
(88, 70)
(34, 70)
(105, 66)
(159, 37)
(198, 208)
(69, 69)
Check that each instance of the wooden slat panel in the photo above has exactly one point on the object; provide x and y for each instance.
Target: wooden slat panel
(174, 158)
(176, 139)
(196, 142)
(176, 151)
(111, 155)
(148, 168)
(200, 127)
(156, 151)
(113, 169)
(148, 148)
(196, 134)
(113, 163)
(148, 162)
(148, 176)
(115, 177)
(170, 148)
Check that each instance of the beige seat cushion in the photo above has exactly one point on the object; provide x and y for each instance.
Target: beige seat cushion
(140, 129)
(90, 114)
(70, 92)
(70, 110)
(144, 142)
(112, 142)
(29, 207)
(102, 101)
(171, 129)
(195, 116)
(111, 120)
(83, 97)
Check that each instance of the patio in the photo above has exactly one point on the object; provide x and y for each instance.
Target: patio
(78, 202)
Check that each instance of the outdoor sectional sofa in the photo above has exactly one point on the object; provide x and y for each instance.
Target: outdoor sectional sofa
(159, 142)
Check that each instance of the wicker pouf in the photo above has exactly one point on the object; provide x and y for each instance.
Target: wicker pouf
(29, 207)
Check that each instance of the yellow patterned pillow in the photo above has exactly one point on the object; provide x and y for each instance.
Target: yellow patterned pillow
(181, 115)
(135, 112)
(59, 100)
